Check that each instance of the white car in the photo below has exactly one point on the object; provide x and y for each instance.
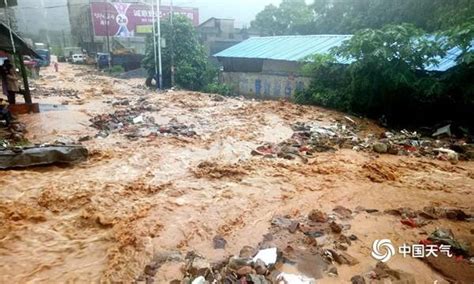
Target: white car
(78, 58)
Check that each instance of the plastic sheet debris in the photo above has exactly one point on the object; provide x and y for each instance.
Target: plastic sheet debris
(199, 280)
(288, 278)
(445, 130)
(268, 256)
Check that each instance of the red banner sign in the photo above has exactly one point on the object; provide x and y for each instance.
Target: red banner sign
(122, 19)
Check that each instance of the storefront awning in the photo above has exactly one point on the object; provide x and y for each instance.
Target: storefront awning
(20, 45)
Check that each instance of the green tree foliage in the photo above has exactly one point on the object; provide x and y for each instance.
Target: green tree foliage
(462, 35)
(349, 16)
(289, 18)
(192, 69)
(387, 78)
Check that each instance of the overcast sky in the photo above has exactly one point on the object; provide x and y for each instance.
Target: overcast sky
(243, 11)
(31, 19)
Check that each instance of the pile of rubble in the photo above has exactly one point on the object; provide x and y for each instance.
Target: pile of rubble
(134, 124)
(140, 105)
(298, 250)
(57, 92)
(310, 138)
(12, 135)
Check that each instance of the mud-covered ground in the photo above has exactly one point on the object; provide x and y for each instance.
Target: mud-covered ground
(136, 198)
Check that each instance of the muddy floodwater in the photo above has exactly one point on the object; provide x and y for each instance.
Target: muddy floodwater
(141, 196)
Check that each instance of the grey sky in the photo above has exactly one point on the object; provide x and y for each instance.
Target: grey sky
(243, 11)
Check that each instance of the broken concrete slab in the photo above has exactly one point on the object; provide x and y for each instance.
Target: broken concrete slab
(36, 156)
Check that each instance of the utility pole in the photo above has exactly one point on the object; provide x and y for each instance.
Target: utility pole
(160, 67)
(107, 32)
(155, 52)
(45, 17)
(172, 43)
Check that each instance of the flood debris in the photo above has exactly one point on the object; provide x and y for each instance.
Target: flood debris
(431, 213)
(134, 124)
(311, 138)
(22, 157)
(445, 130)
(56, 92)
(13, 135)
(282, 250)
(453, 258)
(296, 279)
(219, 242)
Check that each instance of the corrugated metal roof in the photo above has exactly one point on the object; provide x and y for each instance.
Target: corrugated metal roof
(449, 61)
(295, 48)
(288, 48)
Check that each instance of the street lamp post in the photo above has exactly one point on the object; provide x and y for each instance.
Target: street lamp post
(160, 67)
(155, 53)
(172, 43)
(109, 57)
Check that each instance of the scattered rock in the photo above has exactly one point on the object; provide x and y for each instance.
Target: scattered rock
(333, 272)
(317, 216)
(245, 270)
(247, 252)
(358, 280)
(260, 267)
(151, 268)
(336, 228)
(380, 148)
(219, 242)
(235, 263)
(343, 212)
(199, 267)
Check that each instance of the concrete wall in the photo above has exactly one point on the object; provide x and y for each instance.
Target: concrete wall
(264, 85)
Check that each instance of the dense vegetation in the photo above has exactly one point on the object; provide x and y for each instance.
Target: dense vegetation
(393, 43)
(349, 16)
(192, 69)
(388, 79)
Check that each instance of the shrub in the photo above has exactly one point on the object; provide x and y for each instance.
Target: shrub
(216, 88)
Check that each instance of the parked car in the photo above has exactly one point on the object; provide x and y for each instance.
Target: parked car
(78, 59)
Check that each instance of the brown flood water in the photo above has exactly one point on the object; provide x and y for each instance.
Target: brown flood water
(105, 219)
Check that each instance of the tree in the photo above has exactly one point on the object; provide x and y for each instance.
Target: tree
(192, 68)
(347, 17)
(289, 18)
(386, 76)
(462, 36)
(266, 22)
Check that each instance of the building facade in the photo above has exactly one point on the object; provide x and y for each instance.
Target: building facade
(270, 67)
(97, 25)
